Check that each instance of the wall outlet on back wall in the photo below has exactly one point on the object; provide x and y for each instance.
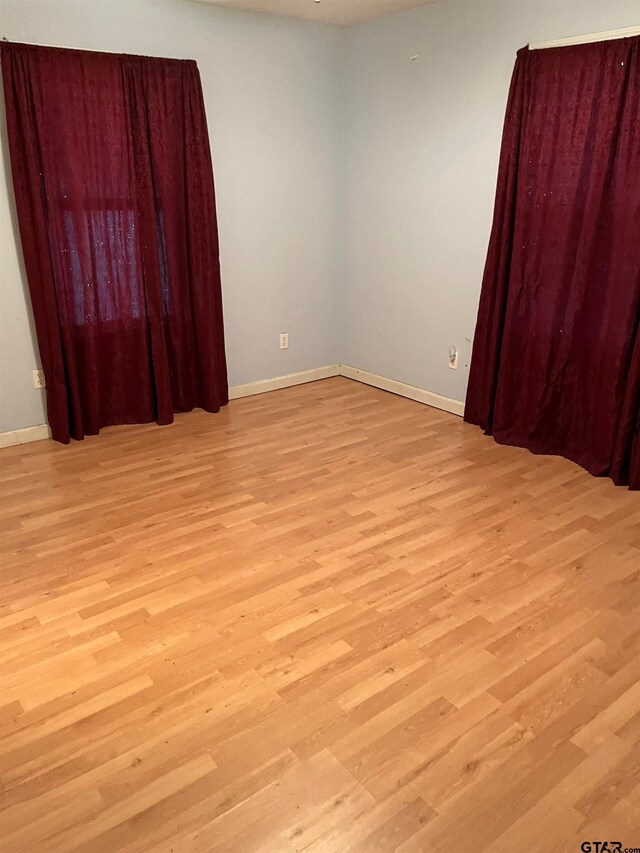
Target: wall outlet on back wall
(284, 340)
(38, 379)
(453, 357)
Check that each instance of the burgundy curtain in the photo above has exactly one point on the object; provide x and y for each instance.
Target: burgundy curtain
(114, 193)
(556, 354)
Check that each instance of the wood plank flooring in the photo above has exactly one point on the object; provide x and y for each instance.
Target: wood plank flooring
(327, 619)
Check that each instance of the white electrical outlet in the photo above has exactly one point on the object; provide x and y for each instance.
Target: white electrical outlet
(284, 340)
(453, 358)
(38, 379)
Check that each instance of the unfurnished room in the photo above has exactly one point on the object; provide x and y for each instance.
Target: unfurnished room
(320, 426)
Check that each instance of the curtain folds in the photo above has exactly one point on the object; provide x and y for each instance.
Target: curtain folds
(556, 354)
(115, 199)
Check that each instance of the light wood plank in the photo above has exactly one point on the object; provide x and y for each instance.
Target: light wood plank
(326, 619)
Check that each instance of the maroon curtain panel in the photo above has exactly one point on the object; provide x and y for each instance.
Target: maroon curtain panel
(556, 353)
(115, 199)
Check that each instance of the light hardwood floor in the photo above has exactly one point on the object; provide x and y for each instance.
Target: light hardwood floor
(327, 619)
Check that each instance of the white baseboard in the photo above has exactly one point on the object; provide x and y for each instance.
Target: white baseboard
(23, 436)
(37, 433)
(264, 385)
(403, 390)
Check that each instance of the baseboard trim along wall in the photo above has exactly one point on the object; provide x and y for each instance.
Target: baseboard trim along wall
(265, 385)
(455, 407)
(24, 436)
(429, 398)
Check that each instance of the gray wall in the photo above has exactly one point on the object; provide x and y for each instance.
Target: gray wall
(423, 140)
(273, 97)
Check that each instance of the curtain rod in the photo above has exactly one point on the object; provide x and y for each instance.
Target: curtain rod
(4, 39)
(607, 35)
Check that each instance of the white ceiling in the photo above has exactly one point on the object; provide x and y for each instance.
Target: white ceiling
(339, 12)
